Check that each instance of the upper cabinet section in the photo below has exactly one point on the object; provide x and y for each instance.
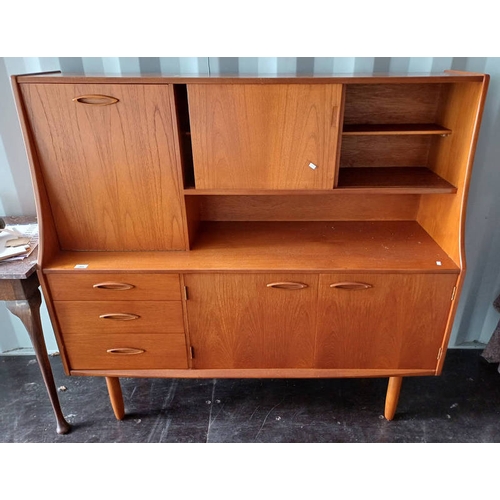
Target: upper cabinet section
(402, 136)
(255, 136)
(146, 164)
(109, 161)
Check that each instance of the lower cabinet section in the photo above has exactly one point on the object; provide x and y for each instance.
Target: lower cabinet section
(243, 321)
(327, 321)
(126, 351)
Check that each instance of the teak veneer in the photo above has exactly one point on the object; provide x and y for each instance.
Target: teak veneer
(251, 227)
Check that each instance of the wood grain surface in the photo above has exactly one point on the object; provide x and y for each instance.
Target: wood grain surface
(78, 286)
(400, 246)
(337, 205)
(385, 150)
(78, 317)
(160, 351)
(402, 180)
(395, 129)
(264, 137)
(112, 172)
(237, 321)
(397, 323)
(444, 217)
(391, 104)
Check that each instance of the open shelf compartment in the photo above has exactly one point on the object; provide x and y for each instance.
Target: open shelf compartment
(395, 129)
(326, 246)
(402, 179)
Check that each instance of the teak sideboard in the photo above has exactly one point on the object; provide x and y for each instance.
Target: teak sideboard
(251, 227)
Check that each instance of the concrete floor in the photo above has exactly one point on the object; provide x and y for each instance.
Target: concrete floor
(460, 406)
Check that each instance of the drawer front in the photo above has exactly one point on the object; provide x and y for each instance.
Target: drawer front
(114, 286)
(126, 352)
(89, 317)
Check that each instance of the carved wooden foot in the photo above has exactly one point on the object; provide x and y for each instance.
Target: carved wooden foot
(392, 397)
(28, 311)
(116, 396)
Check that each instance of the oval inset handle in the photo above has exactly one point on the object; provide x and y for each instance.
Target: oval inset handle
(111, 285)
(351, 285)
(125, 351)
(95, 99)
(287, 285)
(120, 316)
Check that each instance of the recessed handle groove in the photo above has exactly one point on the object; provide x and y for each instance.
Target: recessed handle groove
(111, 285)
(127, 351)
(95, 99)
(351, 285)
(287, 285)
(120, 316)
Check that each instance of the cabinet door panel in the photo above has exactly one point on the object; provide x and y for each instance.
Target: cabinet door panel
(111, 171)
(237, 321)
(264, 136)
(398, 321)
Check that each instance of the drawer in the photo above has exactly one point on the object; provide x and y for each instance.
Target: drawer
(114, 286)
(126, 352)
(119, 316)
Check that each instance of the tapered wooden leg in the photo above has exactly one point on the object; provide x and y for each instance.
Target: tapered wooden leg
(392, 397)
(116, 396)
(28, 311)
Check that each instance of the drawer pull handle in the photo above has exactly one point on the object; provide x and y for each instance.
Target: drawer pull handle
(125, 350)
(120, 316)
(351, 285)
(110, 285)
(95, 99)
(287, 285)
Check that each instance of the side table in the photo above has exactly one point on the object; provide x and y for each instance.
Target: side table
(19, 288)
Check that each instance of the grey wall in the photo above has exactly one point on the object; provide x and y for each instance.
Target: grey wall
(476, 317)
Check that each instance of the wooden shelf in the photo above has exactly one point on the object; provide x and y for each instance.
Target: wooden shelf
(376, 180)
(378, 246)
(252, 192)
(395, 129)
(407, 180)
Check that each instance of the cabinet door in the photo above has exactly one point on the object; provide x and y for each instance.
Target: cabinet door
(264, 136)
(240, 321)
(382, 320)
(110, 164)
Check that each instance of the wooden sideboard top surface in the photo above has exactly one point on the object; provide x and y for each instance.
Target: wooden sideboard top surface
(373, 246)
(375, 78)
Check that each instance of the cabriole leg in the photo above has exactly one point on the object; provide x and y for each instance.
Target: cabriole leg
(28, 311)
